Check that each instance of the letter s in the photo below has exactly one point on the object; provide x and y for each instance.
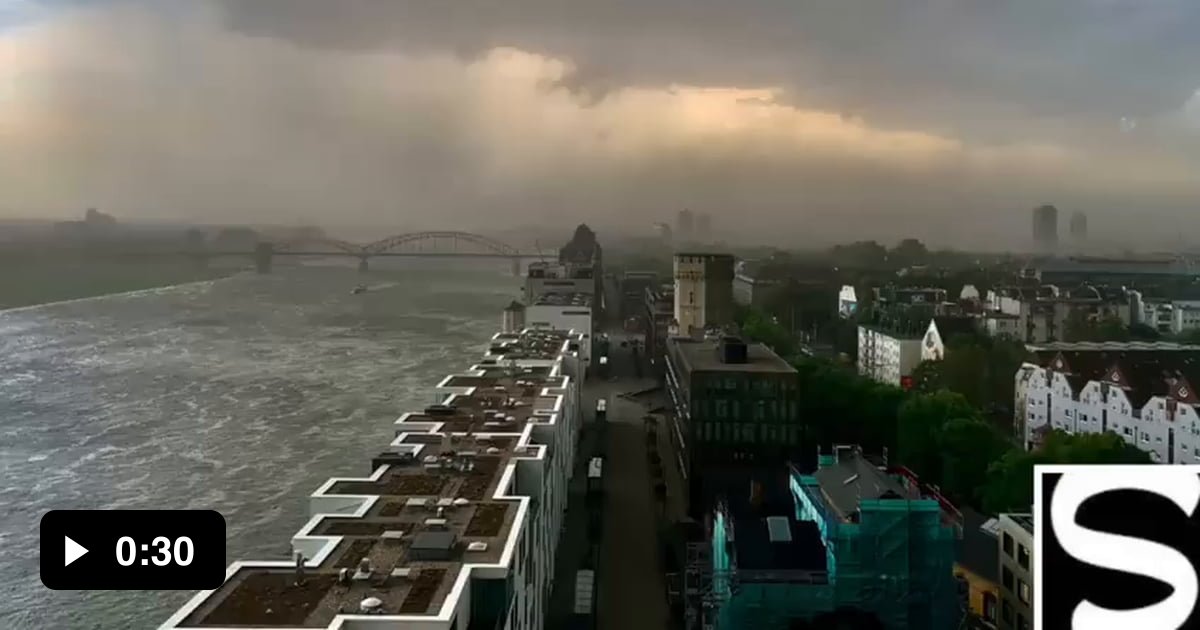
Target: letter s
(1127, 554)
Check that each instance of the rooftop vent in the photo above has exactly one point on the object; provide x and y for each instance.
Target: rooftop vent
(364, 570)
(437, 546)
(732, 350)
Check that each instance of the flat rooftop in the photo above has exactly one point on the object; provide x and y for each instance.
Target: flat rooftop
(778, 543)
(1024, 520)
(498, 404)
(433, 514)
(1109, 346)
(701, 356)
(531, 344)
(852, 479)
(565, 298)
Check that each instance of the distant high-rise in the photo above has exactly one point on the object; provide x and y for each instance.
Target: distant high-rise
(703, 227)
(1078, 226)
(1045, 228)
(685, 223)
(664, 233)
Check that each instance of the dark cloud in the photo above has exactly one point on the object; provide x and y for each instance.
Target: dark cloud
(789, 121)
(961, 60)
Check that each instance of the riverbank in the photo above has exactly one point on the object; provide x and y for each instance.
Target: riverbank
(42, 283)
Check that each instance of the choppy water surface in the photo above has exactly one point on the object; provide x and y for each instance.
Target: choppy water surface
(240, 395)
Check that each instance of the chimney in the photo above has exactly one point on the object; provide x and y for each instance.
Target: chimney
(732, 350)
(756, 494)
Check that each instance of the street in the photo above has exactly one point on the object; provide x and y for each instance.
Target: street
(629, 583)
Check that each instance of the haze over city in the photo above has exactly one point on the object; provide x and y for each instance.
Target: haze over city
(803, 121)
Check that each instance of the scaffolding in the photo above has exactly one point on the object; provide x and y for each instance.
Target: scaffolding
(706, 591)
(895, 561)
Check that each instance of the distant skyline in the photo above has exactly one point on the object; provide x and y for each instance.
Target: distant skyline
(788, 120)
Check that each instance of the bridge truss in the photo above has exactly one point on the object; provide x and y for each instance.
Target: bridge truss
(440, 242)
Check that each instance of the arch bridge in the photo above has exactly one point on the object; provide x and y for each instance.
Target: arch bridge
(446, 243)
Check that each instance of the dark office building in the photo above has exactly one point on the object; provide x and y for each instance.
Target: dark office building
(1045, 228)
(633, 292)
(659, 307)
(1079, 227)
(685, 225)
(735, 407)
(584, 254)
(703, 227)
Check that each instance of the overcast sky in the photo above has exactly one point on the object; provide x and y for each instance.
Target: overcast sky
(792, 120)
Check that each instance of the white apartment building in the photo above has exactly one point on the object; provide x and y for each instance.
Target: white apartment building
(564, 311)
(1041, 313)
(1142, 392)
(457, 525)
(1170, 317)
(556, 277)
(1014, 545)
(847, 301)
(887, 357)
(997, 324)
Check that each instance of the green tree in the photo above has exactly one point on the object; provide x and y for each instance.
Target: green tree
(981, 369)
(1143, 332)
(763, 328)
(1082, 326)
(928, 377)
(860, 254)
(909, 251)
(1191, 336)
(968, 448)
(1010, 479)
(920, 420)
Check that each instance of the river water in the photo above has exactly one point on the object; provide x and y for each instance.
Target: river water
(241, 395)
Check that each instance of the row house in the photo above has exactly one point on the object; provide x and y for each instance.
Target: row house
(1142, 392)
(1037, 314)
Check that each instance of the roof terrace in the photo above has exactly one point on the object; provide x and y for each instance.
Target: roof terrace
(420, 522)
(582, 300)
(497, 404)
(529, 345)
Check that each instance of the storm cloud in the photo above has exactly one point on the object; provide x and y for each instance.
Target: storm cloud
(941, 119)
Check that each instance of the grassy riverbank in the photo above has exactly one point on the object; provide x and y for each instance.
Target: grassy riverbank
(43, 282)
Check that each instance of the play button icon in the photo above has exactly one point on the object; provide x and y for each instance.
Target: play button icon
(72, 551)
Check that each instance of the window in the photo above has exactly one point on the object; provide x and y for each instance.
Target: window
(1023, 591)
(989, 607)
(691, 297)
(1008, 544)
(722, 409)
(1006, 576)
(1022, 622)
(1006, 611)
(1023, 556)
